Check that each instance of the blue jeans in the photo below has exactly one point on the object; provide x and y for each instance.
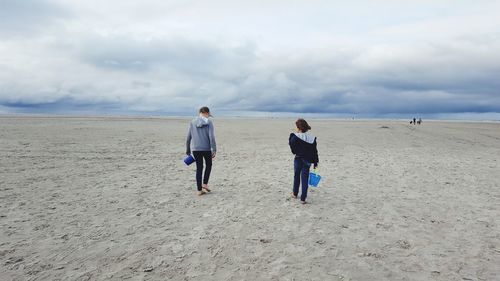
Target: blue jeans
(301, 172)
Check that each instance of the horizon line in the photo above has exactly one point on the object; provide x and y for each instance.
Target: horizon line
(187, 116)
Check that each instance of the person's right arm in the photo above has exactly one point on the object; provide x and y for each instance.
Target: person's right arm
(188, 141)
(291, 142)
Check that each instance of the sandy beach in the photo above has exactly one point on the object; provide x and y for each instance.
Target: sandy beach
(111, 199)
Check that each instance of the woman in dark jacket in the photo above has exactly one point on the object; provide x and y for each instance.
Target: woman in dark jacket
(304, 146)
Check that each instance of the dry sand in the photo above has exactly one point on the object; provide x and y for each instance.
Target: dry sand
(110, 198)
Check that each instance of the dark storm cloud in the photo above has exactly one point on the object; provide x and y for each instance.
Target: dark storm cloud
(64, 104)
(464, 80)
(140, 73)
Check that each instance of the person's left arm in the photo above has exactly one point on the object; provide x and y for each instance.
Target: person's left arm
(211, 136)
(316, 157)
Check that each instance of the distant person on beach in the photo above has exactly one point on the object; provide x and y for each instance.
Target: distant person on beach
(201, 141)
(414, 121)
(304, 146)
(419, 121)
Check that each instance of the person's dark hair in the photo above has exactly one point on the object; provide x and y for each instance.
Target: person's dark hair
(204, 109)
(302, 125)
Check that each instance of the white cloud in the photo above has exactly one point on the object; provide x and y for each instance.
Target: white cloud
(319, 56)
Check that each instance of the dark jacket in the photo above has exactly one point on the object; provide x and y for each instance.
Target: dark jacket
(305, 147)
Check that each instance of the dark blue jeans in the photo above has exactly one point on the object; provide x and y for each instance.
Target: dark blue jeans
(199, 156)
(301, 172)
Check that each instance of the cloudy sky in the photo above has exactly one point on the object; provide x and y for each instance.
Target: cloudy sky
(363, 58)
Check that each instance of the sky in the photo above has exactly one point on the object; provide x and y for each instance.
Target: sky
(432, 58)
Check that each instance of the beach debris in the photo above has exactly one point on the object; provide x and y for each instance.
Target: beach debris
(3, 253)
(321, 242)
(384, 127)
(263, 240)
(483, 221)
(13, 260)
(148, 268)
(384, 226)
(40, 227)
(403, 244)
(370, 254)
(216, 253)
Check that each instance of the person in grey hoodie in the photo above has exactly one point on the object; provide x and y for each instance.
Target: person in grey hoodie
(201, 141)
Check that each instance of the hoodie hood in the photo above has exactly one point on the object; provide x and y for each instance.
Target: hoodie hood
(306, 137)
(201, 121)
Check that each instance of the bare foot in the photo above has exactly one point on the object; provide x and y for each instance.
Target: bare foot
(200, 193)
(205, 187)
(294, 196)
(303, 202)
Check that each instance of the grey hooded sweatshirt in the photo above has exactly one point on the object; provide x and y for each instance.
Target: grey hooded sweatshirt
(201, 136)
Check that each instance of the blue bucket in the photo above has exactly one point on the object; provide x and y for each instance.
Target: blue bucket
(314, 178)
(189, 160)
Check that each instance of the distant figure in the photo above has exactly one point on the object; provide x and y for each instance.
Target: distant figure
(419, 121)
(411, 122)
(201, 139)
(414, 121)
(304, 146)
